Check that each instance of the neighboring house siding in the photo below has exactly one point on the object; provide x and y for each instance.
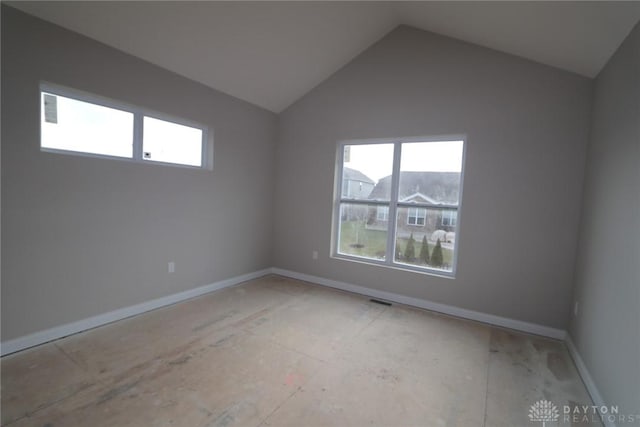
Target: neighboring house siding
(355, 185)
(440, 187)
(353, 189)
(435, 188)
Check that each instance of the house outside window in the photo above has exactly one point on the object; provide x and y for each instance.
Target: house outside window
(416, 216)
(382, 213)
(404, 211)
(449, 218)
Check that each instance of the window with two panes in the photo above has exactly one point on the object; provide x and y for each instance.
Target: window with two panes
(74, 122)
(412, 208)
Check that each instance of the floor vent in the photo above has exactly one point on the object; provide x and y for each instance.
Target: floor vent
(377, 301)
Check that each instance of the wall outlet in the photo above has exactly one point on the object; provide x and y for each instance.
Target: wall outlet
(314, 254)
(172, 267)
(575, 308)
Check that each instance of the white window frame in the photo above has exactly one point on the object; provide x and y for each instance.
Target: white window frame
(382, 213)
(139, 113)
(452, 216)
(420, 213)
(393, 204)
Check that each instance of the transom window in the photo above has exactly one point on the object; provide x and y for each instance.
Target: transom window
(408, 216)
(74, 122)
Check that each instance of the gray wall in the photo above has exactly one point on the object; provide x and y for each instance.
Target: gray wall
(527, 127)
(83, 236)
(606, 330)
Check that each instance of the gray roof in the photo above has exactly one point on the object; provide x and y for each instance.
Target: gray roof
(356, 175)
(443, 187)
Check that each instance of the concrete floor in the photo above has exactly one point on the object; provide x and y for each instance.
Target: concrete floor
(279, 352)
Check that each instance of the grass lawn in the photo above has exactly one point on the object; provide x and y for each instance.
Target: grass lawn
(370, 243)
(356, 240)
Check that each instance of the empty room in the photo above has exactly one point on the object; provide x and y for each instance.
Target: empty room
(320, 213)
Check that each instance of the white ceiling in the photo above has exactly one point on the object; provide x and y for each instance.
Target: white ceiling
(272, 53)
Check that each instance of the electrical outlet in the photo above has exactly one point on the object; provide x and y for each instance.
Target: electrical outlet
(575, 308)
(314, 254)
(172, 267)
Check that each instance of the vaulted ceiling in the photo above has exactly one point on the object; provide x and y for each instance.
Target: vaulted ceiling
(272, 53)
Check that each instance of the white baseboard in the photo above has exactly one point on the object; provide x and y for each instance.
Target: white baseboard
(587, 379)
(491, 319)
(41, 337)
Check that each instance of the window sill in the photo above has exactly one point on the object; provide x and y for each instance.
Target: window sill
(122, 159)
(396, 266)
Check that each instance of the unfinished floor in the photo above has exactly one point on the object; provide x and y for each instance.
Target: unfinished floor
(280, 352)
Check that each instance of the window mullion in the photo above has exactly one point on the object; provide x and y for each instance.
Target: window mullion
(137, 135)
(337, 212)
(391, 223)
(442, 207)
(366, 202)
(123, 125)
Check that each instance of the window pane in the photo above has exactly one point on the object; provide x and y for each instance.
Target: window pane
(69, 124)
(382, 213)
(366, 172)
(449, 217)
(430, 172)
(419, 231)
(171, 143)
(361, 232)
(416, 216)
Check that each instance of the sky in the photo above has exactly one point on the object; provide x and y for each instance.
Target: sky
(375, 160)
(89, 128)
(70, 124)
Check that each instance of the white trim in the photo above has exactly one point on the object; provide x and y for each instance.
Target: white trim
(393, 203)
(587, 379)
(427, 198)
(384, 212)
(41, 337)
(491, 319)
(417, 216)
(139, 113)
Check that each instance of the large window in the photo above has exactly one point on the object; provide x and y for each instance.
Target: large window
(410, 216)
(80, 123)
